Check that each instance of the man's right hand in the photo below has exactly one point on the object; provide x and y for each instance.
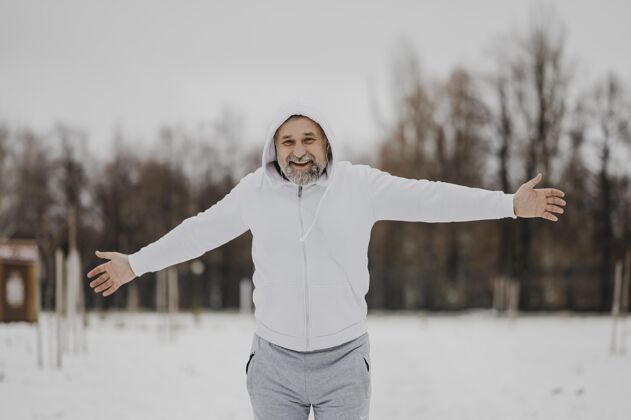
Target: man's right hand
(115, 273)
(529, 201)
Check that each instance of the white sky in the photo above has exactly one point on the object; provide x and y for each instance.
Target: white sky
(139, 64)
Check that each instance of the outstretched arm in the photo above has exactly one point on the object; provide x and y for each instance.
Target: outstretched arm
(420, 200)
(191, 238)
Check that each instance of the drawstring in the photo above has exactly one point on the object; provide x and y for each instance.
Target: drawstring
(315, 217)
(317, 212)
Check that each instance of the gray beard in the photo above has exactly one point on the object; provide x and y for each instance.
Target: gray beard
(303, 177)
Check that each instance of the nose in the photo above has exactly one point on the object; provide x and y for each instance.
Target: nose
(299, 151)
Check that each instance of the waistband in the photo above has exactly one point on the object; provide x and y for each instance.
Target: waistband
(362, 338)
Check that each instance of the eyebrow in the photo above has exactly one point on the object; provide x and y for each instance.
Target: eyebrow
(288, 136)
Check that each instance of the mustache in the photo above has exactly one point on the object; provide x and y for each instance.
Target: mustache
(304, 160)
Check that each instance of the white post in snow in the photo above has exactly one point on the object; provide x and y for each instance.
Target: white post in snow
(40, 321)
(81, 343)
(82, 320)
(625, 299)
(245, 295)
(506, 296)
(69, 306)
(59, 304)
(133, 299)
(197, 268)
(513, 298)
(73, 308)
(167, 302)
(498, 294)
(161, 289)
(615, 307)
(173, 298)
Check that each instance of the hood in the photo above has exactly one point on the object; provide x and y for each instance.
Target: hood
(272, 178)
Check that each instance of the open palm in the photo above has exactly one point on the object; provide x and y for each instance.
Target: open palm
(114, 273)
(538, 202)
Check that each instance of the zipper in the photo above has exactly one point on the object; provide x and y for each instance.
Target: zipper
(304, 268)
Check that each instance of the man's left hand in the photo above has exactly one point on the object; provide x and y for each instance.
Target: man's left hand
(540, 202)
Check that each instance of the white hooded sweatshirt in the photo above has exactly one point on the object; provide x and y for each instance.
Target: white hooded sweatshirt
(310, 243)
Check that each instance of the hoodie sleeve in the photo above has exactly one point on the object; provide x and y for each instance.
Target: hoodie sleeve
(195, 235)
(420, 200)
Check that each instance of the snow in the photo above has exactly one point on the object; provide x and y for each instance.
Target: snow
(424, 366)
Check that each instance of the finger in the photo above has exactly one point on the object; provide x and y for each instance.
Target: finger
(108, 255)
(110, 291)
(556, 200)
(97, 270)
(550, 216)
(554, 209)
(534, 181)
(99, 280)
(553, 192)
(104, 285)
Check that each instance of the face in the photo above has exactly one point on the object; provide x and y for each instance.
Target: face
(301, 150)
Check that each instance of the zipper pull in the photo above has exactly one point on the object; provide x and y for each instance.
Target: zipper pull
(300, 191)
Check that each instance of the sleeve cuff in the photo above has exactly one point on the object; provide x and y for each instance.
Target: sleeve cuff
(135, 267)
(510, 205)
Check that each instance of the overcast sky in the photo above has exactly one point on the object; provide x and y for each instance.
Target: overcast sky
(139, 64)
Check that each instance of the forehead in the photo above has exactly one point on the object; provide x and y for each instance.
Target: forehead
(297, 127)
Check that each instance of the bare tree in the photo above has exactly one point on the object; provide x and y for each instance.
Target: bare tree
(461, 120)
(612, 115)
(530, 90)
(501, 105)
(398, 258)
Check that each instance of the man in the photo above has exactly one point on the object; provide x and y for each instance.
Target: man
(311, 215)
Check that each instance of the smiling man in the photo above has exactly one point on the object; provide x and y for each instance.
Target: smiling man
(310, 215)
(301, 149)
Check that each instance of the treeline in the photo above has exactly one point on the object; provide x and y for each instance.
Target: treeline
(493, 128)
(126, 201)
(496, 128)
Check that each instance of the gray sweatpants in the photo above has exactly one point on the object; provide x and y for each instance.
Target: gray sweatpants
(283, 383)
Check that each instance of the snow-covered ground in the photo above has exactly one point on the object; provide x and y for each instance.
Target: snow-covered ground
(468, 366)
